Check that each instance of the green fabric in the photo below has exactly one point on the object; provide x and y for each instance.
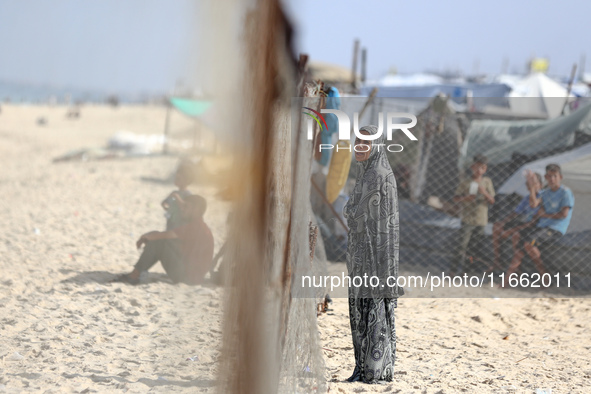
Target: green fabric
(193, 108)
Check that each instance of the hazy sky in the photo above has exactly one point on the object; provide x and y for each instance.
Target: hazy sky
(147, 45)
(470, 35)
(113, 45)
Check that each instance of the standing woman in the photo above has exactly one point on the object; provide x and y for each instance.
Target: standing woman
(372, 216)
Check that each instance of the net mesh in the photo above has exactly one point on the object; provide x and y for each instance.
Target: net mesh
(429, 172)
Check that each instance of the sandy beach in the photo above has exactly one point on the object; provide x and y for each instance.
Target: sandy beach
(70, 227)
(510, 345)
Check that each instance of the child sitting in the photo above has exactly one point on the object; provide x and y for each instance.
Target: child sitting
(556, 203)
(519, 219)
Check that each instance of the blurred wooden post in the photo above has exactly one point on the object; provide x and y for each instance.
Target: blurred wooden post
(302, 72)
(363, 65)
(354, 67)
(251, 352)
(166, 127)
(286, 269)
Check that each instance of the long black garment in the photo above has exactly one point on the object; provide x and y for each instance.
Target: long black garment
(373, 238)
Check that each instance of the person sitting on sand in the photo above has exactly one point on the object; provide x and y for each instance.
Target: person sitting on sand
(521, 218)
(172, 204)
(185, 252)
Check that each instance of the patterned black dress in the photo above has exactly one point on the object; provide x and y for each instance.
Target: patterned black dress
(372, 216)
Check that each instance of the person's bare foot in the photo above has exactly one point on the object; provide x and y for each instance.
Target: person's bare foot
(133, 278)
(134, 275)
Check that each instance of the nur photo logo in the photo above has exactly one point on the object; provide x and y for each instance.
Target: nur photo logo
(393, 122)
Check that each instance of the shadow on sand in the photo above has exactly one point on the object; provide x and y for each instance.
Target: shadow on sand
(161, 381)
(105, 277)
(159, 181)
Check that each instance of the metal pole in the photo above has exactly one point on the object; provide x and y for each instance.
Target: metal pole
(166, 128)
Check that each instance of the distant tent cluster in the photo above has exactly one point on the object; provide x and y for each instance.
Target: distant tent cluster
(532, 96)
(543, 96)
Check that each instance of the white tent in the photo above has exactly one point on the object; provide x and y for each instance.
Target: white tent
(576, 172)
(538, 94)
(419, 79)
(508, 79)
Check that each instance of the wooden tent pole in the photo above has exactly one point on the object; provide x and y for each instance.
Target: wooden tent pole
(570, 86)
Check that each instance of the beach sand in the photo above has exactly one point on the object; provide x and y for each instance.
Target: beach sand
(69, 227)
(453, 345)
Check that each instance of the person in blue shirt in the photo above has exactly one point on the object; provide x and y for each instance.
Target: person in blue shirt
(518, 220)
(556, 204)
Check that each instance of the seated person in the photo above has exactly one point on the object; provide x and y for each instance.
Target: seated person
(556, 203)
(519, 219)
(185, 252)
(172, 204)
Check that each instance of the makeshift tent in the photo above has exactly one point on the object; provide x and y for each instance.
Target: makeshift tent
(485, 135)
(576, 172)
(537, 94)
(508, 145)
(435, 172)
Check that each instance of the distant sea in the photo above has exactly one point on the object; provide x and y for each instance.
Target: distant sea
(21, 93)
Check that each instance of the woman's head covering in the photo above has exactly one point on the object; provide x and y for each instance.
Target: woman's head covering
(376, 150)
(372, 216)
